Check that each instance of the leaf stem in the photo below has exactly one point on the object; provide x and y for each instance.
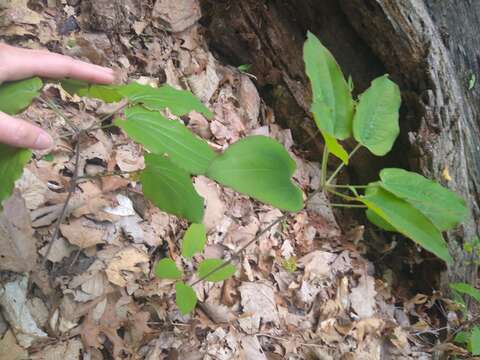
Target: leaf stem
(341, 166)
(324, 165)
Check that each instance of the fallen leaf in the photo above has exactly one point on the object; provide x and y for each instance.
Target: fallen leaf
(10, 350)
(17, 244)
(125, 260)
(362, 297)
(258, 300)
(83, 233)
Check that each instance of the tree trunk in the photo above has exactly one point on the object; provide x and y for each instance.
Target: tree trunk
(428, 47)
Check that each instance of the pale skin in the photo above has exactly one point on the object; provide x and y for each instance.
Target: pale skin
(16, 64)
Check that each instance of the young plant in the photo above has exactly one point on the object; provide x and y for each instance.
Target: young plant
(193, 242)
(257, 166)
(470, 335)
(400, 201)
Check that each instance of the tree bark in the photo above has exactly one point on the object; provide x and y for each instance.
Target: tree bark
(428, 47)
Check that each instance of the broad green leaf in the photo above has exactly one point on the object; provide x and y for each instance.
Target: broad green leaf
(208, 265)
(335, 147)
(167, 269)
(162, 136)
(194, 240)
(407, 220)
(442, 206)
(179, 102)
(461, 337)
(18, 95)
(474, 341)
(12, 162)
(379, 221)
(170, 188)
(332, 101)
(185, 298)
(375, 124)
(466, 289)
(260, 167)
(107, 93)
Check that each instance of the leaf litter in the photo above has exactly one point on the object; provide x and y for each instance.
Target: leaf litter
(303, 291)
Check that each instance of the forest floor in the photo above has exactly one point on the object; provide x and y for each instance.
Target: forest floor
(305, 290)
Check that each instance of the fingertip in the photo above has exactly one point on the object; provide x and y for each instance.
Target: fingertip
(43, 141)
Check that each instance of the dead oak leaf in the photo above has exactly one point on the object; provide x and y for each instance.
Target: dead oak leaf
(125, 260)
(17, 244)
(83, 233)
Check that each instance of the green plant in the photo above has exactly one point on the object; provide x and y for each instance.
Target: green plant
(400, 201)
(469, 333)
(257, 166)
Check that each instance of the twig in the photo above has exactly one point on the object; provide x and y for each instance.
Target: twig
(237, 253)
(106, 174)
(71, 190)
(57, 111)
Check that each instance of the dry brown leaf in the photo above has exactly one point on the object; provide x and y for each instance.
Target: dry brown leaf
(176, 15)
(17, 244)
(83, 233)
(68, 350)
(258, 300)
(215, 207)
(126, 259)
(10, 350)
(362, 297)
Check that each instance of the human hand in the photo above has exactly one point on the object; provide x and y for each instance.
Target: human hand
(16, 64)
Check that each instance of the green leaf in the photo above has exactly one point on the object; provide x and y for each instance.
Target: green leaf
(162, 136)
(406, 219)
(442, 206)
(467, 289)
(332, 101)
(185, 298)
(179, 102)
(379, 221)
(375, 124)
(170, 188)
(18, 95)
(107, 93)
(461, 337)
(12, 162)
(474, 341)
(194, 240)
(208, 265)
(167, 269)
(260, 167)
(335, 147)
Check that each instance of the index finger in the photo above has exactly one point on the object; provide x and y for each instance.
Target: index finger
(51, 65)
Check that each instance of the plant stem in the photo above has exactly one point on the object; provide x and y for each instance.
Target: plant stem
(340, 167)
(348, 206)
(57, 111)
(106, 174)
(347, 186)
(323, 174)
(343, 196)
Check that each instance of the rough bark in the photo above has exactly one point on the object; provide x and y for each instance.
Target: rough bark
(428, 48)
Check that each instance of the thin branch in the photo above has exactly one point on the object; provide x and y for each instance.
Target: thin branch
(106, 174)
(71, 190)
(237, 253)
(57, 111)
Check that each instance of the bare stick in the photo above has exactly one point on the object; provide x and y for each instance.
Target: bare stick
(71, 190)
